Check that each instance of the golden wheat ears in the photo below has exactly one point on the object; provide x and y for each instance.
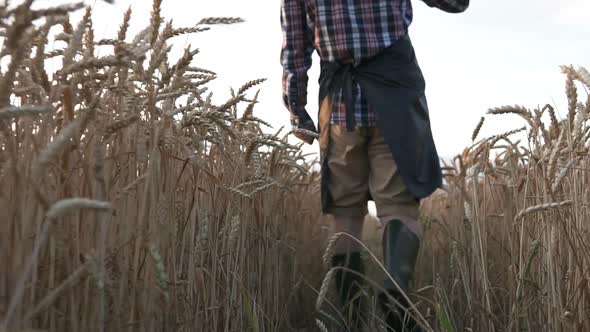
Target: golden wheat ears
(135, 87)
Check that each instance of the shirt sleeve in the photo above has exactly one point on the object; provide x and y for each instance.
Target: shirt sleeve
(296, 55)
(451, 6)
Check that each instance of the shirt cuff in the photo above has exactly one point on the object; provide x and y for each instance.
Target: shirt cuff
(299, 113)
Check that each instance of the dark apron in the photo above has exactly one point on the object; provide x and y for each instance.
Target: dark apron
(394, 87)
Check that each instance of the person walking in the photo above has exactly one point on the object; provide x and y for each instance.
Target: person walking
(374, 132)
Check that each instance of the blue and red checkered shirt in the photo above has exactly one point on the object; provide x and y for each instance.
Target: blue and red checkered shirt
(348, 31)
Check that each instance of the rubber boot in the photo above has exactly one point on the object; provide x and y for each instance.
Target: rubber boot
(400, 250)
(349, 286)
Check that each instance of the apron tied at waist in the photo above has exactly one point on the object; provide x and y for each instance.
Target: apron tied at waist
(393, 85)
(337, 76)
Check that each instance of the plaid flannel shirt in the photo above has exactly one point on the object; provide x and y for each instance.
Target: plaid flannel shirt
(348, 31)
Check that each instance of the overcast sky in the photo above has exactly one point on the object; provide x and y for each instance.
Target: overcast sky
(498, 52)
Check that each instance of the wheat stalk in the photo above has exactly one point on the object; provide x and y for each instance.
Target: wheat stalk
(12, 112)
(477, 128)
(324, 288)
(541, 207)
(57, 11)
(321, 325)
(65, 206)
(155, 21)
(584, 76)
(572, 97)
(161, 274)
(58, 145)
(330, 249)
(220, 20)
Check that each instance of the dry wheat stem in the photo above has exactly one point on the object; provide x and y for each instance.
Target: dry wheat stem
(65, 206)
(58, 145)
(12, 112)
(52, 296)
(541, 207)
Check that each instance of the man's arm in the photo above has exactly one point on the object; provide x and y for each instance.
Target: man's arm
(451, 6)
(296, 58)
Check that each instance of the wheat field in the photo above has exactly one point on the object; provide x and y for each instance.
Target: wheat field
(131, 201)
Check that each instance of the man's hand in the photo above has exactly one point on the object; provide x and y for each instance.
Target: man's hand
(304, 129)
(451, 6)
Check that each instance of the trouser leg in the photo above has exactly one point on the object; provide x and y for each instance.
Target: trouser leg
(353, 227)
(397, 209)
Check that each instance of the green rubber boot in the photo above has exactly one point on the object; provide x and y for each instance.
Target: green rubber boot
(349, 284)
(400, 251)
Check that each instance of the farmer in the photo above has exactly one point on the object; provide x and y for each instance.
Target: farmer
(374, 132)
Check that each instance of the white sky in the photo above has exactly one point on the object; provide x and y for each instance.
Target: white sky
(498, 52)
